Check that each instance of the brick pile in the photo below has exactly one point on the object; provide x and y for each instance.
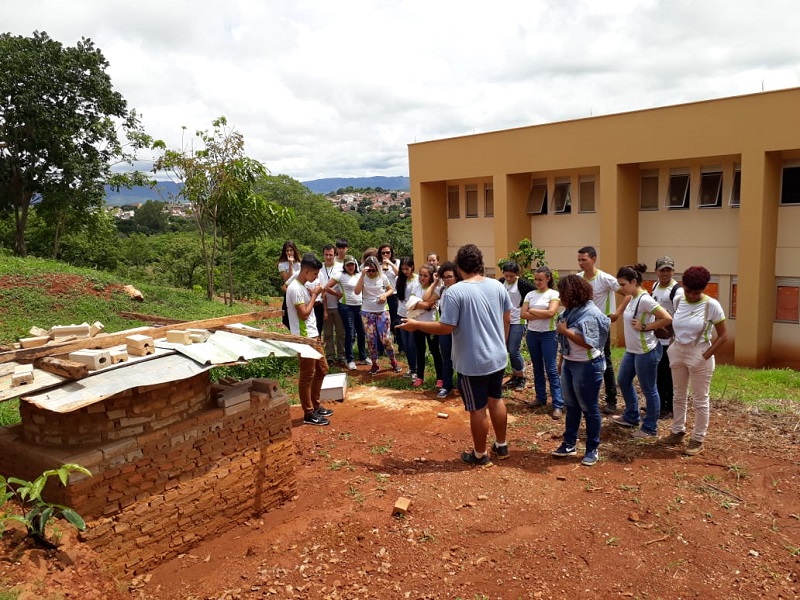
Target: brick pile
(169, 466)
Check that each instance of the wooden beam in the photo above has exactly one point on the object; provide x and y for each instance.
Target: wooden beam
(271, 335)
(65, 368)
(115, 339)
(149, 318)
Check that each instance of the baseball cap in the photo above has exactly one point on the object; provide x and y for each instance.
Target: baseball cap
(665, 262)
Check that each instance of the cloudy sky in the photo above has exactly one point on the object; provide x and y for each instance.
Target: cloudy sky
(323, 88)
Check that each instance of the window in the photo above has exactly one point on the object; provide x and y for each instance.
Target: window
(790, 184)
(537, 199)
(452, 202)
(472, 200)
(488, 201)
(648, 190)
(786, 303)
(586, 190)
(678, 191)
(561, 197)
(736, 192)
(734, 290)
(711, 188)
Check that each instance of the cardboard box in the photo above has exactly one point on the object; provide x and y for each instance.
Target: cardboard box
(334, 387)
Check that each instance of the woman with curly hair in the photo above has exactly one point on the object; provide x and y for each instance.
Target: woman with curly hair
(691, 357)
(582, 331)
(641, 317)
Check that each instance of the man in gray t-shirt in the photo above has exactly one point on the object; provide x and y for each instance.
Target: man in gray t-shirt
(477, 312)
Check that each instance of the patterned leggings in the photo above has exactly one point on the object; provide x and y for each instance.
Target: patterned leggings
(377, 329)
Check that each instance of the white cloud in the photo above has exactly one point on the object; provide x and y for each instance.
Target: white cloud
(323, 89)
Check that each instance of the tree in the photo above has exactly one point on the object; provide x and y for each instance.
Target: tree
(218, 180)
(59, 119)
(151, 217)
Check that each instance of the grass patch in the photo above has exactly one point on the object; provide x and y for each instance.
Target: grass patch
(9, 414)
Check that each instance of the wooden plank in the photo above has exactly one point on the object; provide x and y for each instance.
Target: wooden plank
(149, 318)
(66, 368)
(115, 339)
(271, 335)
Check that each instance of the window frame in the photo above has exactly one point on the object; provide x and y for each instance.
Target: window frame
(593, 181)
(562, 206)
(471, 191)
(705, 175)
(488, 200)
(450, 190)
(537, 185)
(736, 187)
(645, 175)
(674, 174)
(794, 165)
(788, 283)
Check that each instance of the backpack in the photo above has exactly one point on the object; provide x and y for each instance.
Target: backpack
(667, 333)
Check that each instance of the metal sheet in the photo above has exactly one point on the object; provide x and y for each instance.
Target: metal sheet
(77, 394)
(224, 347)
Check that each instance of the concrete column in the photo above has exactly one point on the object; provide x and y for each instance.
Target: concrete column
(511, 223)
(429, 227)
(758, 231)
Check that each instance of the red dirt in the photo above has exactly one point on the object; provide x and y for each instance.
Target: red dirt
(645, 522)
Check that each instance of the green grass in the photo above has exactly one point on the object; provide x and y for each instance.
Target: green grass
(9, 415)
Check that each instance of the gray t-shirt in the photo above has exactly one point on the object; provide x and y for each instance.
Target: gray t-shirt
(476, 310)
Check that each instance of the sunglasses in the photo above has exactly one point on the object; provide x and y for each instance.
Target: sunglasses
(386, 251)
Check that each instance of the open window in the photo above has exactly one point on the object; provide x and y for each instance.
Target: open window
(537, 198)
(711, 188)
(736, 190)
(790, 184)
(678, 190)
(562, 201)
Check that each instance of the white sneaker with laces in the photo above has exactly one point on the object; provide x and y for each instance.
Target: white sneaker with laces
(351, 365)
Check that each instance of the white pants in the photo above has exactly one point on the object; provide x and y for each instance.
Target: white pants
(689, 367)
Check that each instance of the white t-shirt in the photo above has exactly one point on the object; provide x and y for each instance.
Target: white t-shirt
(637, 341)
(604, 285)
(374, 287)
(293, 271)
(327, 273)
(662, 296)
(347, 285)
(296, 295)
(417, 290)
(402, 311)
(512, 289)
(542, 300)
(578, 353)
(694, 323)
(390, 274)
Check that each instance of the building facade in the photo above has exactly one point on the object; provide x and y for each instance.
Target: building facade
(713, 183)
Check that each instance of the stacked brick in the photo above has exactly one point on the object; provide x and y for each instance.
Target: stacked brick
(169, 466)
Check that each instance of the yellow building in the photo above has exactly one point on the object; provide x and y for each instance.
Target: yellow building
(713, 183)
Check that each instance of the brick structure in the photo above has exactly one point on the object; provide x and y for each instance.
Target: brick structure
(169, 467)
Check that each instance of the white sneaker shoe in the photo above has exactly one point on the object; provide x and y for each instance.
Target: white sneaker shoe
(368, 361)
(351, 365)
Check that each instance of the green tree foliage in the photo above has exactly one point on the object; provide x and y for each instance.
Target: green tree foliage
(528, 257)
(151, 218)
(218, 181)
(59, 120)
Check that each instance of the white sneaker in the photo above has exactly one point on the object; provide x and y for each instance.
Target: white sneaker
(368, 361)
(351, 365)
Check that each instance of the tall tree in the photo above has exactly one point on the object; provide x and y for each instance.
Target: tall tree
(218, 181)
(59, 120)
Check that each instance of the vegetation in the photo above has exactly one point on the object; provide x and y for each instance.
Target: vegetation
(528, 257)
(38, 515)
(58, 133)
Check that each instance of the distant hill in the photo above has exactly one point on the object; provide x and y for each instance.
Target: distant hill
(331, 184)
(164, 191)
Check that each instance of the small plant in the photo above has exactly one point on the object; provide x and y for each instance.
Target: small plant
(793, 550)
(739, 471)
(381, 477)
(38, 514)
(384, 449)
(612, 541)
(355, 494)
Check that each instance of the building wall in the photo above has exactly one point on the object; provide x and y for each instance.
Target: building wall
(182, 472)
(752, 249)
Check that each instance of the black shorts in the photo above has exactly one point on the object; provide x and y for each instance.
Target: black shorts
(477, 389)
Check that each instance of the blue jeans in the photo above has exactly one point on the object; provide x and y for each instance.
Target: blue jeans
(582, 381)
(645, 367)
(407, 340)
(353, 327)
(543, 347)
(515, 335)
(446, 347)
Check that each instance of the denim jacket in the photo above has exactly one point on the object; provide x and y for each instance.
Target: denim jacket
(590, 322)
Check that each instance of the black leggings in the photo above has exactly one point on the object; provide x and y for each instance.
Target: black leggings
(420, 339)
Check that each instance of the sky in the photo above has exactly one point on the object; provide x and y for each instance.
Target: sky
(323, 88)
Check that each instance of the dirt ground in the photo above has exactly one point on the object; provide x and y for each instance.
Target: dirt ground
(645, 522)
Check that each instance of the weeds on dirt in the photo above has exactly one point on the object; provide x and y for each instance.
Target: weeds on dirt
(382, 449)
(9, 594)
(739, 471)
(793, 550)
(355, 494)
(338, 465)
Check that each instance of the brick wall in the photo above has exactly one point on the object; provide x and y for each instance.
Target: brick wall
(169, 467)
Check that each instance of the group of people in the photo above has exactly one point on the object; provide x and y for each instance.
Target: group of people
(473, 325)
